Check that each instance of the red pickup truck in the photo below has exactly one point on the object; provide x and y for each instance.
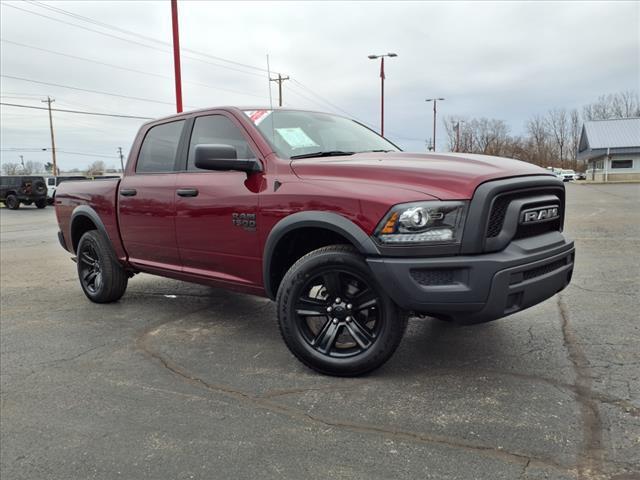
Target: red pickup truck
(347, 233)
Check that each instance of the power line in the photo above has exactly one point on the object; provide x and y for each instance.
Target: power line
(58, 150)
(136, 42)
(339, 109)
(75, 111)
(111, 94)
(133, 70)
(136, 34)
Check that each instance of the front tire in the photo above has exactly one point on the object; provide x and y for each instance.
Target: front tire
(334, 316)
(102, 278)
(12, 202)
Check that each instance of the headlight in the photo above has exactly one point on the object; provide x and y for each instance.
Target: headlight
(423, 223)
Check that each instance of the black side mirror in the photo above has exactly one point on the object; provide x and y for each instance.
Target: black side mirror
(223, 157)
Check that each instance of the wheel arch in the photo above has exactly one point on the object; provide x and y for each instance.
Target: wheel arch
(83, 219)
(283, 247)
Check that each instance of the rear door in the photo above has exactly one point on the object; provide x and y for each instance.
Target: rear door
(216, 211)
(146, 200)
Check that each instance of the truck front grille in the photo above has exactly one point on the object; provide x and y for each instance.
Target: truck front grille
(496, 217)
(500, 207)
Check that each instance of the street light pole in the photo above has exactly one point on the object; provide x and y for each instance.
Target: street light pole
(381, 57)
(435, 110)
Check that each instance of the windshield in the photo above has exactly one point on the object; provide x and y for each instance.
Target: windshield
(295, 134)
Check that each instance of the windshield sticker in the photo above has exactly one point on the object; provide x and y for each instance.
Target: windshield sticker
(257, 116)
(296, 137)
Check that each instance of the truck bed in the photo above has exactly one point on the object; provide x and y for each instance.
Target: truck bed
(102, 196)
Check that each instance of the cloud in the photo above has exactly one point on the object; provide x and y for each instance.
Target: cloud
(505, 60)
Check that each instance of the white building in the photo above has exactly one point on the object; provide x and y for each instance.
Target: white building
(611, 149)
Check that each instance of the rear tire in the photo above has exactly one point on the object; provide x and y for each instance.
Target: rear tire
(12, 202)
(334, 316)
(41, 203)
(102, 278)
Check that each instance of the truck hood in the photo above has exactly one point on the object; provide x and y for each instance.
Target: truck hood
(447, 176)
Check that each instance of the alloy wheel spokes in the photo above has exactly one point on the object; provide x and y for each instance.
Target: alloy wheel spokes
(326, 338)
(88, 259)
(360, 333)
(91, 273)
(311, 307)
(337, 313)
(332, 284)
(365, 300)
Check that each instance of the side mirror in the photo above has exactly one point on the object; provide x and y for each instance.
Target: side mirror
(223, 157)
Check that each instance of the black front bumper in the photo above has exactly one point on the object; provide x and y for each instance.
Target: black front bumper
(479, 288)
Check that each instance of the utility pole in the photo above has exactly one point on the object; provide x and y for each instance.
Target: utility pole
(280, 79)
(176, 54)
(435, 109)
(54, 169)
(121, 159)
(382, 77)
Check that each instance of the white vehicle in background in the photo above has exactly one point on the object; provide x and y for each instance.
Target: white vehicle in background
(562, 174)
(53, 182)
(568, 175)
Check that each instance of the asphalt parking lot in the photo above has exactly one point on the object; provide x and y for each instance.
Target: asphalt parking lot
(181, 381)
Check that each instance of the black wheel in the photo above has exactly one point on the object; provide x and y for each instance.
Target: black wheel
(41, 202)
(12, 202)
(334, 316)
(102, 278)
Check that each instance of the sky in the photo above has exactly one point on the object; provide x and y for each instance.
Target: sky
(504, 60)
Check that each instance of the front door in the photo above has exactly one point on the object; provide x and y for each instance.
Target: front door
(216, 212)
(146, 200)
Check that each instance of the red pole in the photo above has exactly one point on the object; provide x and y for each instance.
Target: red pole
(382, 97)
(176, 54)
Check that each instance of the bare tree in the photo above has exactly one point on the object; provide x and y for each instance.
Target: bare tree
(450, 126)
(574, 136)
(626, 104)
(617, 105)
(558, 126)
(96, 168)
(11, 168)
(30, 167)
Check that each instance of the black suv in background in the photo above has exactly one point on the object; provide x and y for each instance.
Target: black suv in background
(15, 190)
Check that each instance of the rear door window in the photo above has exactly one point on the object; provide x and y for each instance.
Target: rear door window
(159, 148)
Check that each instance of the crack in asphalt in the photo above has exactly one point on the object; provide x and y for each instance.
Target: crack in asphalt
(590, 459)
(524, 470)
(591, 290)
(142, 343)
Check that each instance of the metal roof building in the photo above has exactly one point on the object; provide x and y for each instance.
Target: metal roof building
(611, 149)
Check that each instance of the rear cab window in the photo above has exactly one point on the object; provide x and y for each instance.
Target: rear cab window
(159, 148)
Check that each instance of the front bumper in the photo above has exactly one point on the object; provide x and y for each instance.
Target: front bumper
(479, 288)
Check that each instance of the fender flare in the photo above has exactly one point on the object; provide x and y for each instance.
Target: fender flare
(88, 212)
(327, 220)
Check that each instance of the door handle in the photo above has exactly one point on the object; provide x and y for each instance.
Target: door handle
(187, 192)
(128, 192)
